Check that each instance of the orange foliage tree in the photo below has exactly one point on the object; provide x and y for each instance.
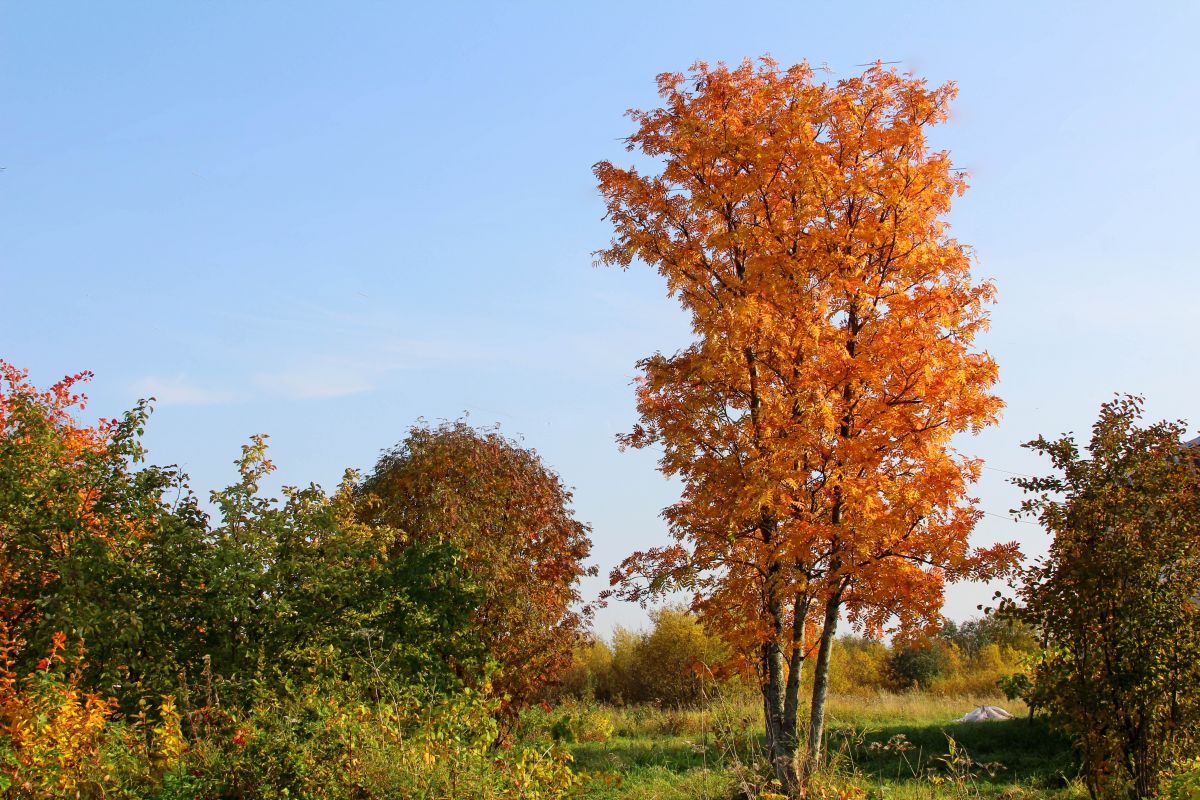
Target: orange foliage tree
(800, 225)
(46, 509)
(511, 516)
(89, 544)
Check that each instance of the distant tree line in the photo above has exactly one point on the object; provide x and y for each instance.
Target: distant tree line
(676, 663)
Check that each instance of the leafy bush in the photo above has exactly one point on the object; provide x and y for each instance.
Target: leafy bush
(286, 649)
(676, 663)
(53, 735)
(1115, 599)
(917, 666)
(577, 722)
(105, 549)
(962, 660)
(510, 516)
(591, 673)
(1185, 783)
(57, 740)
(859, 666)
(316, 745)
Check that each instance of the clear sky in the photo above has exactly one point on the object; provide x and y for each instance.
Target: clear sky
(326, 220)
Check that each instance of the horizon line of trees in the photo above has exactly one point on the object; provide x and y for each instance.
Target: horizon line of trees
(676, 663)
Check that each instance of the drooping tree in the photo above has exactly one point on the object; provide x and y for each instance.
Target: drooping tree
(512, 518)
(1117, 599)
(801, 226)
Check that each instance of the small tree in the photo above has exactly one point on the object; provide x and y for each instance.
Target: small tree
(511, 516)
(918, 664)
(677, 659)
(1116, 598)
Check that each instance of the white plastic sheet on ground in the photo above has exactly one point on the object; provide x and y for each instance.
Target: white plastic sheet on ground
(985, 714)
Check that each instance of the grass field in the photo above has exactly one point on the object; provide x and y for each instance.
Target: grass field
(882, 746)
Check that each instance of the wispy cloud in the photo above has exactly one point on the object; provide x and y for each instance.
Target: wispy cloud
(179, 390)
(326, 375)
(323, 371)
(317, 381)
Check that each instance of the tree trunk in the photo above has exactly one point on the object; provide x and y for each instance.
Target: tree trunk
(781, 742)
(820, 690)
(791, 701)
(781, 739)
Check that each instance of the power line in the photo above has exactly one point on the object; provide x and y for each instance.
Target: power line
(1009, 472)
(1010, 519)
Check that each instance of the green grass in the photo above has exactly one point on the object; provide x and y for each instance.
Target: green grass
(882, 746)
(658, 767)
(1003, 756)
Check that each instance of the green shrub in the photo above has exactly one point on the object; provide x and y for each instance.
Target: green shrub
(318, 746)
(919, 665)
(675, 663)
(1185, 783)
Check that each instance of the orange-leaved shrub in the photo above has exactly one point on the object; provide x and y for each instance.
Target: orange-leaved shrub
(52, 732)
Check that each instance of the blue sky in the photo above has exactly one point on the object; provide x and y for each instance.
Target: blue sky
(326, 220)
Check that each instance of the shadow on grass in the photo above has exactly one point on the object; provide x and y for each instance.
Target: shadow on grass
(675, 754)
(1028, 753)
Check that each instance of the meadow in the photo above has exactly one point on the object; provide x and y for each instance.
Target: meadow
(884, 745)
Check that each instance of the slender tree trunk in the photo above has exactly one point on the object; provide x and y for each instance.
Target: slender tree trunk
(820, 690)
(781, 739)
(781, 744)
(791, 700)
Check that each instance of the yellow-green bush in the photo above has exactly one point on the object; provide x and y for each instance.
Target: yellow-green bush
(1185, 783)
(53, 735)
(980, 675)
(58, 741)
(858, 666)
(674, 663)
(590, 672)
(963, 660)
(316, 746)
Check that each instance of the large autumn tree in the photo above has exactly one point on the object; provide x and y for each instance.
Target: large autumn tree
(511, 516)
(801, 226)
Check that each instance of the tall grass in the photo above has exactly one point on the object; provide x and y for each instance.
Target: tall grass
(902, 745)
